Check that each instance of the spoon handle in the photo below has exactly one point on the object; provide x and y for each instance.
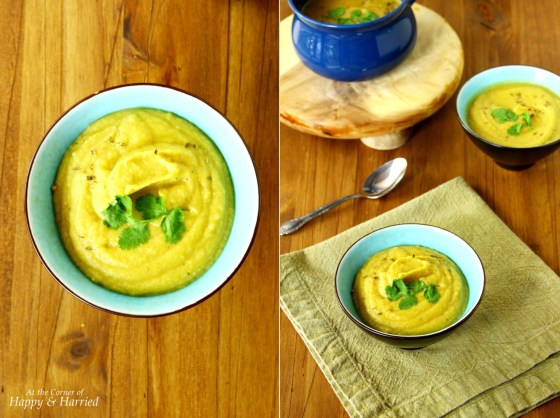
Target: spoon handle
(293, 225)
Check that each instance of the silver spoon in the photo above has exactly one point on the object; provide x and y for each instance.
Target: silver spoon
(378, 184)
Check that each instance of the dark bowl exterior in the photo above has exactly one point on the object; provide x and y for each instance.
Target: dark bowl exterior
(354, 52)
(513, 158)
(411, 344)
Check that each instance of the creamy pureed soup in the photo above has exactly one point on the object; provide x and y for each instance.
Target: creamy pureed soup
(410, 290)
(348, 12)
(144, 201)
(519, 115)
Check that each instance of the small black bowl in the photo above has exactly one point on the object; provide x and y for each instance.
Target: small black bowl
(507, 157)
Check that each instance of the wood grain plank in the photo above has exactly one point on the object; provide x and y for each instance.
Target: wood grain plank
(10, 44)
(315, 171)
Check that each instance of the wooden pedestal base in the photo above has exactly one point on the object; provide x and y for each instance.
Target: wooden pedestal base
(388, 141)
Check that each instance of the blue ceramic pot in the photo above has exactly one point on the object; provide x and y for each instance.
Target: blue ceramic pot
(354, 52)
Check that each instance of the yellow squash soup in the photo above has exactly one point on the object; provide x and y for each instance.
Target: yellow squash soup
(348, 12)
(410, 290)
(144, 202)
(518, 115)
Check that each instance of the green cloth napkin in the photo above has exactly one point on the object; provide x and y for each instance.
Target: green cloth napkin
(503, 361)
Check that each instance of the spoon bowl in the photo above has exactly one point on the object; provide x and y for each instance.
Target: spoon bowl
(379, 183)
(383, 180)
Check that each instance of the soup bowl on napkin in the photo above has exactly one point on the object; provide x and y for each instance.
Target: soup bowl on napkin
(428, 236)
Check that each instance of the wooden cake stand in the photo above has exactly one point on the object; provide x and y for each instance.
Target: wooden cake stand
(381, 111)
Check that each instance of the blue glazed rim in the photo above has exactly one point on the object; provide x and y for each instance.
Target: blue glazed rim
(485, 73)
(373, 23)
(90, 303)
(398, 337)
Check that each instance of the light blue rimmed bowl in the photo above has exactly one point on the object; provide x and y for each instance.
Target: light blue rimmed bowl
(409, 234)
(40, 211)
(507, 157)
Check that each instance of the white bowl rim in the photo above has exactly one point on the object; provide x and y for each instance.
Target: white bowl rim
(105, 309)
(371, 330)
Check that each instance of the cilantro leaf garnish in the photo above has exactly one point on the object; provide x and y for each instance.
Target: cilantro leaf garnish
(408, 302)
(336, 13)
(344, 21)
(173, 226)
(515, 130)
(396, 290)
(504, 115)
(392, 292)
(401, 285)
(119, 213)
(150, 206)
(370, 16)
(356, 13)
(416, 287)
(134, 236)
(407, 291)
(356, 16)
(116, 213)
(126, 202)
(431, 294)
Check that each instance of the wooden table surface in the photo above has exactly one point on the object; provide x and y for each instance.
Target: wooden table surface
(219, 358)
(316, 170)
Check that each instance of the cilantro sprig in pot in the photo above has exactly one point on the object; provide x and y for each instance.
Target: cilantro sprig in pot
(356, 16)
(119, 213)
